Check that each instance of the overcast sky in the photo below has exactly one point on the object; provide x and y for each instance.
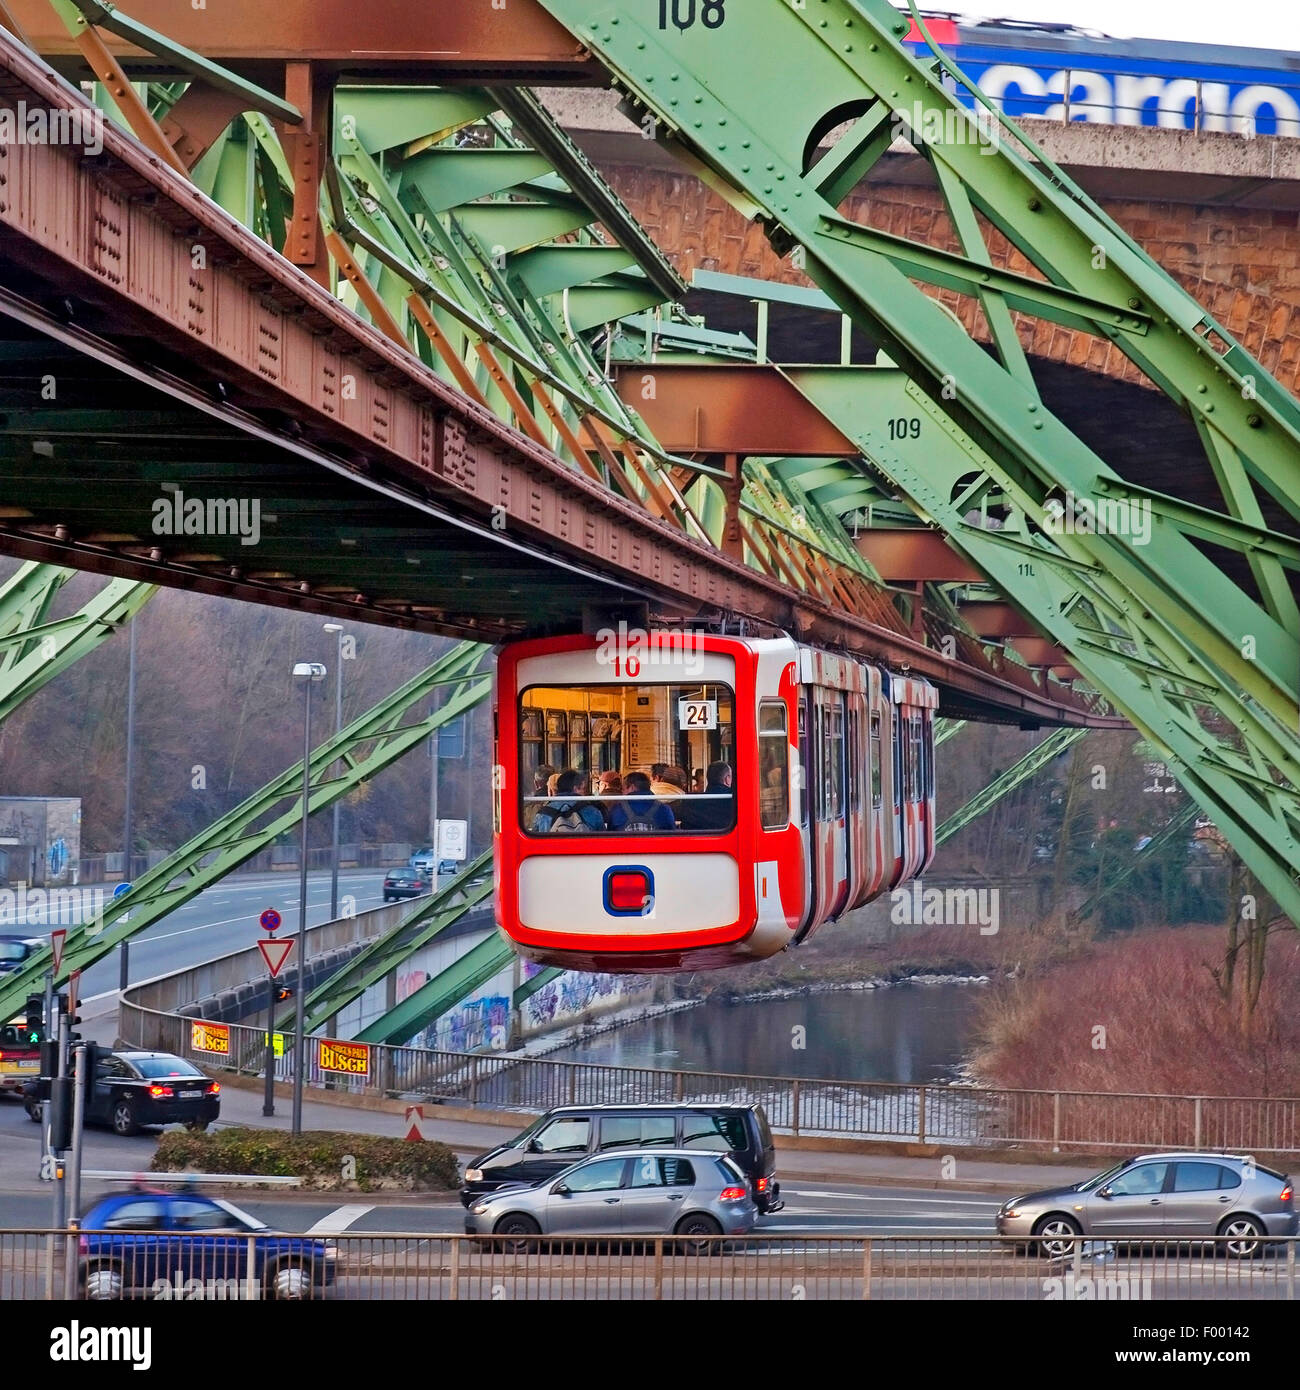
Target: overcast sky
(1273, 24)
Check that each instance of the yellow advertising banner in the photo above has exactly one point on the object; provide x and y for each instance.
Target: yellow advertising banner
(210, 1037)
(353, 1058)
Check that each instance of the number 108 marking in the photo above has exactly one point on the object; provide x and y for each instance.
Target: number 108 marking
(683, 13)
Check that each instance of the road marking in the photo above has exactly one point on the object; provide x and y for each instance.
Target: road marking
(871, 1197)
(338, 1220)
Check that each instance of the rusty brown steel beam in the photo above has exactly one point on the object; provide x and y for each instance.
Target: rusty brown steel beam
(470, 38)
(746, 409)
(248, 339)
(911, 555)
(991, 619)
(1040, 651)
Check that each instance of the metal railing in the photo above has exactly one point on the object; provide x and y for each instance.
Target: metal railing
(238, 1266)
(929, 1114)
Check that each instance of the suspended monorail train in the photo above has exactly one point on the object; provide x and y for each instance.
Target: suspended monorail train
(820, 796)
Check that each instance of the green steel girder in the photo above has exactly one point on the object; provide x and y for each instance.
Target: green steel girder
(367, 746)
(35, 648)
(473, 970)
(1189, 656)
(432, 915)
(1177, 825)
(104, 15)
(25, 600)
(1038, 757)
(1222, 747)
(539, 981)
(944, 729)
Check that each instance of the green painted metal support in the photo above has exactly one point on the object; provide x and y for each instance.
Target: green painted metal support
(107, 16)
(365, 747)
(944, 729)
(473, 970)
(1178, 825)
(539, 981)
(1206, 667)
(432, 915)
(1033, 762)
(34, 648)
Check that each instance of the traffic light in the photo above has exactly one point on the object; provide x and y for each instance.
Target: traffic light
(73, 1020)
(34, 1013)
(61, 1113)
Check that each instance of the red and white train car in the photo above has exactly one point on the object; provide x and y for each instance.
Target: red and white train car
(830, 801)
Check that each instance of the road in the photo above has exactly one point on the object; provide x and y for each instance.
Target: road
(224, 919)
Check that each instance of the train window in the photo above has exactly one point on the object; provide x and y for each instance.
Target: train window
(875, 760)
(531, 729)
(773, 765)
(579, 748)
(803, 762)
(557, 738)
(633, 728)
(835, 770)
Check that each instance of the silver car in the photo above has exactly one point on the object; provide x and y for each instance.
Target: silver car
(1159, 1197)
(632, 1192)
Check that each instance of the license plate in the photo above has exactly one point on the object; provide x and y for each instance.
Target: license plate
(191, 1095)
(12, 1067)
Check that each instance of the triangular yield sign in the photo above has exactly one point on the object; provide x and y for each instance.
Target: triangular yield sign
(275, 953)
(57, 937)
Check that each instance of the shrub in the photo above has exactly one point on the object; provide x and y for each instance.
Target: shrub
(322, 1158)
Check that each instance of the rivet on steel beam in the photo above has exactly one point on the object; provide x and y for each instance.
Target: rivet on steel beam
(1254, 421)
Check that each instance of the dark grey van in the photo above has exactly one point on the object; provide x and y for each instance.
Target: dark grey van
(562, 1136)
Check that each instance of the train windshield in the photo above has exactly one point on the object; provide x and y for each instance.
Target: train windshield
(643, 759)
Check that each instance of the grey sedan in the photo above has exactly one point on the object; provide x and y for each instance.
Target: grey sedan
(634, 1192)
(1172, 1197)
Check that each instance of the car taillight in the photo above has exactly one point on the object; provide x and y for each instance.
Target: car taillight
(732, 1194)
(1286, 1193)
(83, 1246)
(215, 1089)
(762, 1184)
(160, 1091)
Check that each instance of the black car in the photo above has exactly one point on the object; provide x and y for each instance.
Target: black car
(133, 1089)
(563, 1136)
(405, 883)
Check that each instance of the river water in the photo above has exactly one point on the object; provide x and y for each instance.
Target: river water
(910, 1033)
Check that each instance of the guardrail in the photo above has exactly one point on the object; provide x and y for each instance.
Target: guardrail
(238, 1266)
(932, 1114)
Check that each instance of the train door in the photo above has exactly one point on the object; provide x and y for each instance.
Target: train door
(900, 787)
(875, 778)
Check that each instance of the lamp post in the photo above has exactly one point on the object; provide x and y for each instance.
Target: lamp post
(128, 833)
(336, 628)
(308, 674)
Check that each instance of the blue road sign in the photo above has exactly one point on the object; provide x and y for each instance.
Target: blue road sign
(121, 889)
(270, 919)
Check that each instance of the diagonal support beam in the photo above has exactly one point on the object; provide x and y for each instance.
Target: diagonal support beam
(1038, 757)
(367, 746)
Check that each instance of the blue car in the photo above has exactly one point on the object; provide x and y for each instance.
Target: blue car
(180, 1244)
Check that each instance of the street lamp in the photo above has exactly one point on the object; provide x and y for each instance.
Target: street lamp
(128, 831)
(308, 674)
(336, 628)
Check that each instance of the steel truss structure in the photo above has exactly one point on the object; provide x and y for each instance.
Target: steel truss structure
(1191, 630)
(365, 747)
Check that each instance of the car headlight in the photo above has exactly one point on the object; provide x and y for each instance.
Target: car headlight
(473, 1175)
(479, 1208)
